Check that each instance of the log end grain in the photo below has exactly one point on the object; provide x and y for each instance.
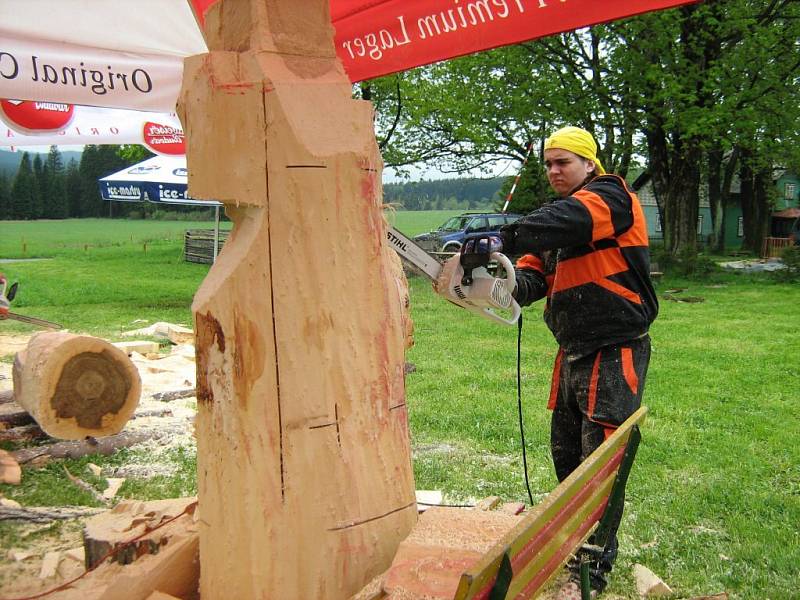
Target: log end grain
(75, 385)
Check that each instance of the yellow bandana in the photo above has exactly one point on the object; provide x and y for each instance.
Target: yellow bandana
(578, 141)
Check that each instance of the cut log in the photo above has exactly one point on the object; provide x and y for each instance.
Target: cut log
(111, 534)
(22, 433)
(444, 543)
(78, 448)
(76, 385)
(13, 415)
(304, 462)
(46, 514)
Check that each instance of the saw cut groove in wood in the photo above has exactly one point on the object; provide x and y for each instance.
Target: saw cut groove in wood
(371, 519)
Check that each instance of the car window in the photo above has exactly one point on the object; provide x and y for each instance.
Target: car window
(477, 225)
(454, 224)
(496, 222)
(512, 219)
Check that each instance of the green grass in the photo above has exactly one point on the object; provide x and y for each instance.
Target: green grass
(413, 222)
(714, 499)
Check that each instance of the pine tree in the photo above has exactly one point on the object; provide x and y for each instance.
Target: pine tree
(55, 189)
(23, 191)
(96, 162)
(73, 189)
(5, 196)
(39, 187)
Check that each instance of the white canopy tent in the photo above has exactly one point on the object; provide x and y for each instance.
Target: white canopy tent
(160, 180)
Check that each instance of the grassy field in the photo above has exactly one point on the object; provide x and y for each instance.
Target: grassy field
(714, 499)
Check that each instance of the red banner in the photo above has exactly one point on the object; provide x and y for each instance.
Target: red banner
(375, 38)
(121, 54)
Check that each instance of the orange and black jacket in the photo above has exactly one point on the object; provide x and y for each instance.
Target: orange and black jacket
(588, 254)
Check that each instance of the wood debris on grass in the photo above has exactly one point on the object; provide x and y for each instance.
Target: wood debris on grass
(10, 471)
(85, 486)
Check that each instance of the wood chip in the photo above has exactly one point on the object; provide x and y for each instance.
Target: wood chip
(512, 508)
(10, 471)
(50, 565)
(427, 498)
(96, 470)
(114, 483)
(489, 503)
(19, 555)
(9, 503)
(648, 584)
(77, 554)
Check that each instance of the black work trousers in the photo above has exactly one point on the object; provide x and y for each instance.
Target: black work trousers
(590, 397)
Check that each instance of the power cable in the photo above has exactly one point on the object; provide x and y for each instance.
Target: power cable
(519, 408)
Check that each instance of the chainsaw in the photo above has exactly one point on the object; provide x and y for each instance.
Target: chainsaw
(465, 285)
(5, 305)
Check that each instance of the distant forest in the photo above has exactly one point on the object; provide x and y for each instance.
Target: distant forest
(64, 185)
(445, 194)
(45, 186)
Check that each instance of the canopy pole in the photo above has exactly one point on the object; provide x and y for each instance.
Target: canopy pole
(216, 233)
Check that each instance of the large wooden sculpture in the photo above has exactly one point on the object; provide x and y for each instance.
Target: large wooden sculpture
(304, 469)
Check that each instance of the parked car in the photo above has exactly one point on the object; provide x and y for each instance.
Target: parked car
(451, 234)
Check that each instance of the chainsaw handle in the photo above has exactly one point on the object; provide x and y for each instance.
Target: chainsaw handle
(511, 284)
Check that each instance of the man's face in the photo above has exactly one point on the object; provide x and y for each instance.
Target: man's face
(565, 170)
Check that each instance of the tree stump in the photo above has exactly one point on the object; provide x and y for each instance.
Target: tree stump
(304, 466)
(76, 386)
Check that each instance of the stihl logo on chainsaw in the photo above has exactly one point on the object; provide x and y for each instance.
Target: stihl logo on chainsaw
(481, 292)
(396, 241)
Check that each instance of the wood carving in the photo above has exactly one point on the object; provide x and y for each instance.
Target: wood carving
(76, 386)
(304, 471)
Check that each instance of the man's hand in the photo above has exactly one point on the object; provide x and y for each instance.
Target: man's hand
(508, 238)
(476, 252)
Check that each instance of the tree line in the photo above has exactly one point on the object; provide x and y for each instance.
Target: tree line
(700, 96)
(45, 188)
(445, 194)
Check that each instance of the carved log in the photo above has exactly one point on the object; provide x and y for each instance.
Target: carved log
(304, 468)
(76, 385)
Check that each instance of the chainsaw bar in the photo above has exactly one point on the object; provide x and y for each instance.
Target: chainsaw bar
(33, 321)
(410, 251)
